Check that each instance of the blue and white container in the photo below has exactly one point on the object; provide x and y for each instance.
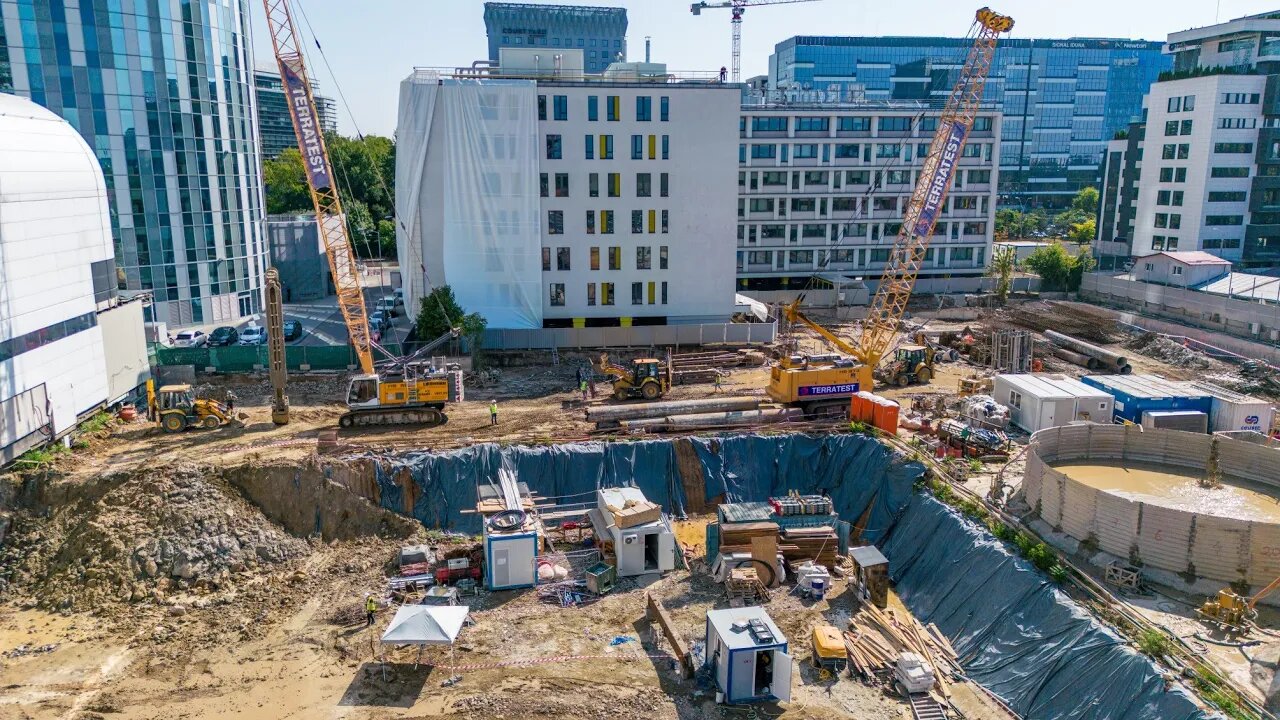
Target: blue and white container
(1138, 394)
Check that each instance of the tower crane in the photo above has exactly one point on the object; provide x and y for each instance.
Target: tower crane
(401, 390)
(738, 8)
(821, 383)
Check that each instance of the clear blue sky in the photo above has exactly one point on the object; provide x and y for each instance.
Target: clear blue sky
(373, 44)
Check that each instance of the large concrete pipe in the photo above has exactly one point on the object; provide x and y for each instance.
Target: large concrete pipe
(639, 411)
(1106, 356)
(1080, 359)
(715, 419)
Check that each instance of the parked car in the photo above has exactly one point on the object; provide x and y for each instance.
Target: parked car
(253, 335)
(191, 339)
(292, 330)
(225, 335)
(399, 296)
(379, 321)
(388, 306)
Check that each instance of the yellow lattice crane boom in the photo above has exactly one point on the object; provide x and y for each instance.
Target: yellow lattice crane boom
(402, 390)
(820, 382)
(320, 179)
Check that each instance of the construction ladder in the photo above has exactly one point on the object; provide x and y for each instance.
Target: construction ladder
(924, 707)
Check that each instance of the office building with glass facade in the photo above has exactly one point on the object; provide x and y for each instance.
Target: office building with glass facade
(1062, 100)
(163, 95)
(275, 125)
(599, 32)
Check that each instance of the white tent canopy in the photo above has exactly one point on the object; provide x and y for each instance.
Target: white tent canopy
(425, 625)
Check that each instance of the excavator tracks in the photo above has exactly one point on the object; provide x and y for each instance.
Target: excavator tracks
(426, 416)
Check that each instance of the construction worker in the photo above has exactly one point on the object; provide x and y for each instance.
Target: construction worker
(724, 73)
(719, 378)
(583, 387)
(493, 412)
(370, 607)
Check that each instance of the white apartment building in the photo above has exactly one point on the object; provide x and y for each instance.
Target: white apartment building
(822, 188)
(550, 199)
(1202, 171)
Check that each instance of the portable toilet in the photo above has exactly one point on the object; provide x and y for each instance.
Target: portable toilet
(747, 654)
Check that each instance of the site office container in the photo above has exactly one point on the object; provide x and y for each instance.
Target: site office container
(1037, 402)
(1231, 411)
(1138, 394)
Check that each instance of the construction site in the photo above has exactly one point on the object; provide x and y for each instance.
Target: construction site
(982, 506)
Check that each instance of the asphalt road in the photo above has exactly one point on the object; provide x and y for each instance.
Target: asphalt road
(322, 323)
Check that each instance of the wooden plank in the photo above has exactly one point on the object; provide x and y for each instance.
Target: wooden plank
(655, 611)
(764, 549)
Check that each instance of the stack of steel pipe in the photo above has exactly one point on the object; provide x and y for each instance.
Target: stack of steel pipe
(1105, 359)
(607, 416)
(734, 418)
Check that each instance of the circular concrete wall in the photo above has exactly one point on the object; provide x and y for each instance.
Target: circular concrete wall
(1225, 540)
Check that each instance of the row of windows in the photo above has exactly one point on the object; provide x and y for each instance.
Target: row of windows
(1241, 98)
(27, 342)
(1229, 172)
(886, 203)
(1168, 197)
(875, 231)
(602, 146)
(880, 151)
(612, 105)
(555, 41)
(1176, 152)
(1236, 147)
(1229, 195)
(1173, 221)
(779, 178)
(657, 222)
(643, 184)
(894, 123)
(1220, 243)
(1223, 219)
(851, 256)
(1174, 127)
(638, 294)
(1164, 242)
(644, 258)
(1238, 123)
(1184, 103)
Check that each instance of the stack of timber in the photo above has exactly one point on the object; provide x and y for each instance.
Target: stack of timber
(737, 536)
(702, 367)
(876, 638)
(819, 544)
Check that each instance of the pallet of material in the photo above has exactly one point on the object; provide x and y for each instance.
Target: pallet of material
(819, 544)
(741, 533)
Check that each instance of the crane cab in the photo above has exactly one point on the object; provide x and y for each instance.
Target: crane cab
(415, 393)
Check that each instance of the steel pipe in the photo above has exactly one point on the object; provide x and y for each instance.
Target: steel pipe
(1078, 358)
(716, 419)
(640, 411)
(1106, 356)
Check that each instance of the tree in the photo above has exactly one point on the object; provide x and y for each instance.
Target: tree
(364, 169)
(1086, 201)
(1083, 232)
(1057, 269)
(1003, 262)
(437, 315)
(286, 184)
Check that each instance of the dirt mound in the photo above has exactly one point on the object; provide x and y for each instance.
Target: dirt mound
(178, 529)
(1167, 351)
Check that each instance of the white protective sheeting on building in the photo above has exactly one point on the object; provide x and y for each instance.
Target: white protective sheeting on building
(54, 226)
(467, 195)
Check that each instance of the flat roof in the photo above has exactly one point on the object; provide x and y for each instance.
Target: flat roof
(1189, 257)
(1147, 386)
(1243, 285)
(1217, 391)
(868, 555)
(723, 621)
(1051, 386)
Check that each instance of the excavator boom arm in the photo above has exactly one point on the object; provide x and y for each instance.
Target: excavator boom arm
(794, 315)
(320, 178)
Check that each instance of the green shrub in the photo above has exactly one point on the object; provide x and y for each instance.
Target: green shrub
(975, 465)
(1059, 573)
(1154, 643)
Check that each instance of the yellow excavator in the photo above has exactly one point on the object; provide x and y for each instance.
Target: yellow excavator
(176, 408)
(823, 384)
(647, 378)
(1232, 610)
(398, 390)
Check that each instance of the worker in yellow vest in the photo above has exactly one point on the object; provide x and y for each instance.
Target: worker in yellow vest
(370, 607)
(493, 412)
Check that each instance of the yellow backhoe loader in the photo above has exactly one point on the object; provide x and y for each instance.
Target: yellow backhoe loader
(176, 408)
(647, 378)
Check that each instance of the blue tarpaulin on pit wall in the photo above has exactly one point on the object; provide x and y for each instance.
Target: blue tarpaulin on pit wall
(1014, 631)
(1016, 634)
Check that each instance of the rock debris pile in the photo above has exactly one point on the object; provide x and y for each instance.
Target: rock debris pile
(175, 529)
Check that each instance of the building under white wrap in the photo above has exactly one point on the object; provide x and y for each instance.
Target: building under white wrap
(55, 251)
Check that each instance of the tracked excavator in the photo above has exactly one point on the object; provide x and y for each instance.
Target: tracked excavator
(397, 390)
(823, 384)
